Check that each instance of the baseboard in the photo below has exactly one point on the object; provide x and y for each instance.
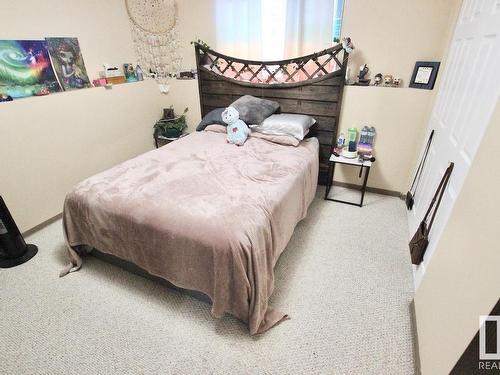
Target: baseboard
(391, 193)
(41, 225)
(416, 353)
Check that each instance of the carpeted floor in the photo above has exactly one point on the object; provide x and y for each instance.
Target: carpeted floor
(345, 279)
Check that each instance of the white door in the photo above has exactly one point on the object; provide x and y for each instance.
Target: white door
(469, 91)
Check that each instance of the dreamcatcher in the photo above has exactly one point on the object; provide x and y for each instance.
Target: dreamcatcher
(156, 37)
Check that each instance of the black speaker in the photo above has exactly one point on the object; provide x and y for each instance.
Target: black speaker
(13, 249)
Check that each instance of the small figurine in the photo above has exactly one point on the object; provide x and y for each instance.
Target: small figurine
(347, 45)
(363, 71)
(378, 79)
(387, 80)
(397, 82)
(5, 98)
(42, 91)
(139, 73)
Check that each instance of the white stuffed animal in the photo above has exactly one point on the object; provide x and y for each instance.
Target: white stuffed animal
(237, 130)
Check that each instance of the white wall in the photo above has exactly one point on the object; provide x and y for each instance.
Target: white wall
(390, 36)
(196, 21)
(399, 116)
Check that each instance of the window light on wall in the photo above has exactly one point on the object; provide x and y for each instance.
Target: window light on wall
(276, 29)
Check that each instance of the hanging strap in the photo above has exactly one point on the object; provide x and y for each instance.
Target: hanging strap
(438, 195)
(420, 168)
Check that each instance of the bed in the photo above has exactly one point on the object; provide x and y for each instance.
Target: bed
(203, 214)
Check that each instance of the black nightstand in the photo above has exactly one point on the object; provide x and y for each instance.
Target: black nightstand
(353, 162)
(160, 140)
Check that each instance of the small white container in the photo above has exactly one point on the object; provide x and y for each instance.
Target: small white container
(349, 154)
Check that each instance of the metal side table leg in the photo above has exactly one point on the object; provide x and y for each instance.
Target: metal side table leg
(363, 189)
(329, 183)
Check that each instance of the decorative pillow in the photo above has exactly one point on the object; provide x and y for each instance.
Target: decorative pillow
(216, 128)
(286, 124)
(212, 117)
(286, 140)
(254, 110)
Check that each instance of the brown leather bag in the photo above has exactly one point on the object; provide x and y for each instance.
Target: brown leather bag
(420, 240)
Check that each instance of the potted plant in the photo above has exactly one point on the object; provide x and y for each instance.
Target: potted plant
(171, 128)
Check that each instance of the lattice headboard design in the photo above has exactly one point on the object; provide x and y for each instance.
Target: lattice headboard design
(273, 72)
(311, 85)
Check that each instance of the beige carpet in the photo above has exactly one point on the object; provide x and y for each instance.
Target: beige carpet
(345, 279)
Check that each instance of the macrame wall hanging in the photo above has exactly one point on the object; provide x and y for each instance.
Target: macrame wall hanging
(156, 37)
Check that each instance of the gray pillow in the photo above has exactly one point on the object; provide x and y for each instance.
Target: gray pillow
(254, 110)
(212, 117)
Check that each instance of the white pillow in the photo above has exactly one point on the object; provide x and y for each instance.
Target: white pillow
(286, 124)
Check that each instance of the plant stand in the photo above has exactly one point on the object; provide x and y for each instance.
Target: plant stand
(161, 140)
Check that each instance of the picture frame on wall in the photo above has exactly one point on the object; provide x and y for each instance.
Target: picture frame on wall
(424, 75)
(67, 60)
(26, 69)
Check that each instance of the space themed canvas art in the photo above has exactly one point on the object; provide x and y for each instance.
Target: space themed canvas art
(25, 69)
(68, 63)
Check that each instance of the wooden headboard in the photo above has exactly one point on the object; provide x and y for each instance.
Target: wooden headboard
(311, 85)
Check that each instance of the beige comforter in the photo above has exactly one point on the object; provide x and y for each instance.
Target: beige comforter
(202, 214)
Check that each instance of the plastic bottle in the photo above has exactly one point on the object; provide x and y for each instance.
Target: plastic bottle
(339, 146)
(364, 135)
(352, 134)
(371, 136)
(341, 141)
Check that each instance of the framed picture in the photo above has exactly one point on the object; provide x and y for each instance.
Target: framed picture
(129, 71)
(68, 64)
(424, 75)
(25, 69)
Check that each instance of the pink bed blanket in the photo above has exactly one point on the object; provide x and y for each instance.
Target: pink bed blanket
(203, 214)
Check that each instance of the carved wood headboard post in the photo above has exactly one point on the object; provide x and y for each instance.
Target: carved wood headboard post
(311, 85)
(198, 58)
(343, 69)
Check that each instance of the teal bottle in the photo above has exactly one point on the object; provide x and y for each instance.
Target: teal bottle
(352, 134)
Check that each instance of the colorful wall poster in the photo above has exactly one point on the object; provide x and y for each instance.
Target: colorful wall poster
(68, 63)
(25, 69)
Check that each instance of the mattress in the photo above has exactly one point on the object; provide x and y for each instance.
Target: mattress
(201, 213)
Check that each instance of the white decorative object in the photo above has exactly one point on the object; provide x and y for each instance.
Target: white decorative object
(111, 71)
(164, 89)
(156, 37)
